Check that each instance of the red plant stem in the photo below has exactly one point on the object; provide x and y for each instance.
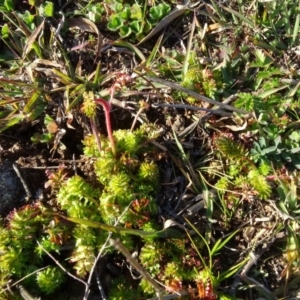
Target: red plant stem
(106, 108)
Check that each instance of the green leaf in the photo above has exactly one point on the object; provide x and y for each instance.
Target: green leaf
(295, 150)
(241, 16)
(47, 9)
(32, 2)
(136, 12)
(118, 7)
(95, 12)
(164, 233)
(133, 48)
(12, 121)
(115, 23)
(271, 91)
(155, 13)
(9, 5)
(147, 26)
(271, 149)
(165, 8)
(125, 31)
(28, 18)
(38, 110)
(42, 138)
(135, 26)
(263, 119)
(125, 14)
(295, 136)
(221, 243)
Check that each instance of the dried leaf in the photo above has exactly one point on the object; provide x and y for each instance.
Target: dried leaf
(45, 62)
(237, 127)
(32, 39)
(87, 25)
(175, 13)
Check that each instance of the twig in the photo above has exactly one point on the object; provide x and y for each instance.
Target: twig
(59, 265)
(100, 285)
(74, 164)
(134, 263)
(195, 108)
(143, 106)
(258, 286)
(19, 281)
(253, 258)
(28, 193)
(25, 294)
(87, 287)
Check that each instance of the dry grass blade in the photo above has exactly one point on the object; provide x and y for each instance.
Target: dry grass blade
(135, 264)
(32, 39)
(22, 279)
(45, 62)
(131, 47)
(86, 25)
(295, 36)
(239, 15)
(175, 13)
(195, 95)
(22, 26)
(189, 47)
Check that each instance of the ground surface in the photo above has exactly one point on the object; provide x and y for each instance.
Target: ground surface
(262, 227)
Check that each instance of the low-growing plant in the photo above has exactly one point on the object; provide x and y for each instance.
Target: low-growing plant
(135, 19)
(242, 170)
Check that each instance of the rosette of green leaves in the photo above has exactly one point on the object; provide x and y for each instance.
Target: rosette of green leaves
(133, 19)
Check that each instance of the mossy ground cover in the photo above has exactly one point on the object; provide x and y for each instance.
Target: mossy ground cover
(160, 144)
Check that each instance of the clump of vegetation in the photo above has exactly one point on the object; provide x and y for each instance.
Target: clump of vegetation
(201, 81)
(132, 19)
(220, 179)
(242, 171)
